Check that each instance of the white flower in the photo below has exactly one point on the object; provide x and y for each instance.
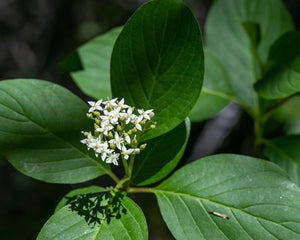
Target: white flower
(128, 115)
(117, 141)
(111, 103)
(136, 122)
(96, 145)
(89, 140)
(127, 139)
(145, 114)
(121, 104)
(105, 151)
(113, 158)
(95, 105)
(113, 116)
(105, 128)
(125, 152)
(112, 139)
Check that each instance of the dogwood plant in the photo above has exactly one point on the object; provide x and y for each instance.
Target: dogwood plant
(155, 63)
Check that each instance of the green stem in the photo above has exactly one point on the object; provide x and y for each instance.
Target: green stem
(121, 182)
(125, 164)
(113, 176)
(131, 161)
(140, 190)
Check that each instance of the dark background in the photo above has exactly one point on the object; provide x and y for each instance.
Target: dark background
(34, 36)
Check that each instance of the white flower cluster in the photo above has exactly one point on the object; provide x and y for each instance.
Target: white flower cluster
(116, 129)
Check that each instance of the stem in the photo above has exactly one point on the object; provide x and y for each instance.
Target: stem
(131, 161)
(140, 190)
(125, 164)
(113, 176)
(121, 182)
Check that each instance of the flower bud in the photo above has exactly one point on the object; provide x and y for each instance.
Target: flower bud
(110, 135)
(143, 146)
(152, 126)
(85, 133)
(151, 115)
(89, 115)
(96, 113)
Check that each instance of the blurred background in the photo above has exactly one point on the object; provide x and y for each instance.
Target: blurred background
(34, 36)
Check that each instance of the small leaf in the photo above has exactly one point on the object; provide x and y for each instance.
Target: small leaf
(40, 125)
(157, 63)
(89, 65)
(66, 224)
(161, 155)
(216, 92)
(282, 77)
(285, 152)
(230, 197)
(226, 37)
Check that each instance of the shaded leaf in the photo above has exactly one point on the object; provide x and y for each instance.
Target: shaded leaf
(157, 63)
(216, 91)
(285, 152)
(226, 37)
(66, 224)
(40, 125)
(161, 155)
(89, 65)
(230, 197)
(282, 77)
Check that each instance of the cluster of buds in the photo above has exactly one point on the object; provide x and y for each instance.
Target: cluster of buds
(116, 129)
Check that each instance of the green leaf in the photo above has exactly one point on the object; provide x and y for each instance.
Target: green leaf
(255, 197)
(157, 63)
(66, 224)
(285, 152)
(282, 77)
(161, 155)
(40, 125)
(89, 65)
(216, 92)
(228, 39)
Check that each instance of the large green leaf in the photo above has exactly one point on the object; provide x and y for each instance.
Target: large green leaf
(161, 155)
(92, 73)
(40, 125)
(157, 62)
(255, 198)
(66, 224)
(225, 35)
(216, 91)
(285, 152)
(282, 78)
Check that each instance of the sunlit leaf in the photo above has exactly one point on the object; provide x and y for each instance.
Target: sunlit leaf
(230, 197)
